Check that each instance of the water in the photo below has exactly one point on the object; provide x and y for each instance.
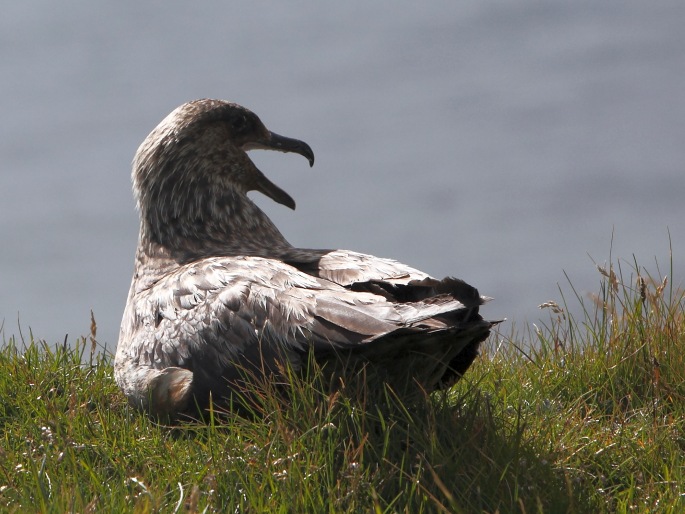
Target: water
(499, 142)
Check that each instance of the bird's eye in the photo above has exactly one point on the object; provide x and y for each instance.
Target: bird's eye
(240, 124)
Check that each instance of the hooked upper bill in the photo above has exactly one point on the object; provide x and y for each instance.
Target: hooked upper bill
(282, 144)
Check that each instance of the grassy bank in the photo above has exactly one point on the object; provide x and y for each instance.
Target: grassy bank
(589, 419)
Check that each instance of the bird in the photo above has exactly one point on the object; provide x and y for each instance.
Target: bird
(218, 290)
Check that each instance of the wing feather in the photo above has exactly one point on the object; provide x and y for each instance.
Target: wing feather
(345, 268)
(220, 306)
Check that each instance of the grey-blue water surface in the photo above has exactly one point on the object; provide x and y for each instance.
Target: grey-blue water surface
(501, 142)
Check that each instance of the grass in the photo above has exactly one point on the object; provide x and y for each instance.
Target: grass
(589, 418)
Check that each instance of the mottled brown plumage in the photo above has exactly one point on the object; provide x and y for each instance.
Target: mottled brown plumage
(218, 289)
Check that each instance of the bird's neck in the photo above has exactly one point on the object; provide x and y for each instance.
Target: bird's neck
(230, 224)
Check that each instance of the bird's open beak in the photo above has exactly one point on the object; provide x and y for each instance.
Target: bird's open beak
(282, 144)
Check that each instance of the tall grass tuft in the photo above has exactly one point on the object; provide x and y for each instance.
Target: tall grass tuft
(583, 414)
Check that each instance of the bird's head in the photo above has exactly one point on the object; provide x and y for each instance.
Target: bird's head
(201, 146)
